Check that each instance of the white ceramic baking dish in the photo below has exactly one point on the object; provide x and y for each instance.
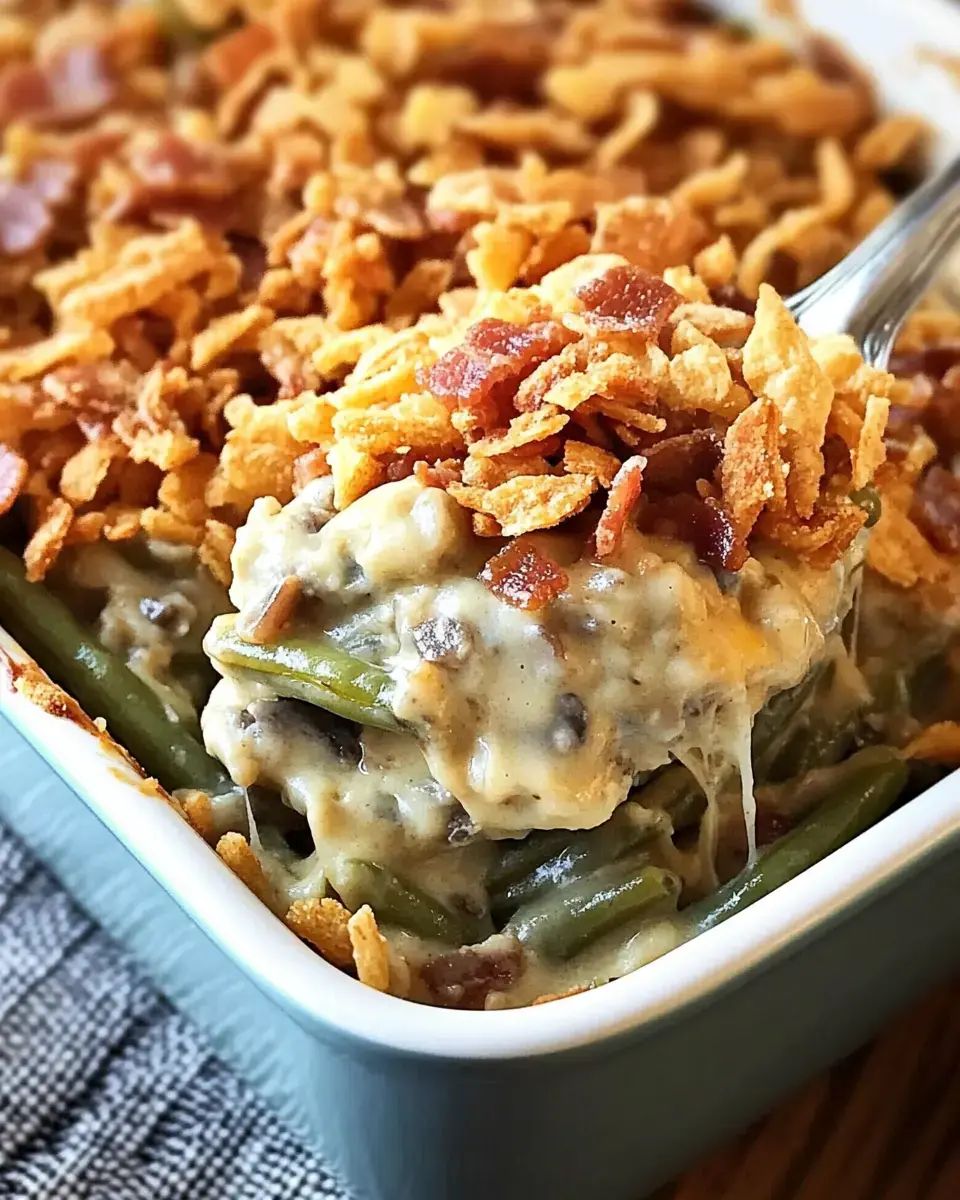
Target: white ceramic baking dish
(606, 1093)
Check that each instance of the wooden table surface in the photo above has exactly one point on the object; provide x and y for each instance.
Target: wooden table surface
(883, 1125)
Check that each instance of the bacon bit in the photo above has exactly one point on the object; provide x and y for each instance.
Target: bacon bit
(464, 978)
(675, 464)
(53, 179)
(229, 58)
(13, 475)
(523, 577)
(481, 375)
(935, 361)
(268, 620)
(936, 509)
(25, 219)
(703, 523)
(941, 417)
(26, 205)
(728, 295)
(178, 178)
(627, 299)
(70, 87)
(623, 497)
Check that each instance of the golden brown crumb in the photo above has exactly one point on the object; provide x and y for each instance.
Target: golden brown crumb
(370, 951)
(324, 924)
(235, 851)
(196, 807)
(207, 287)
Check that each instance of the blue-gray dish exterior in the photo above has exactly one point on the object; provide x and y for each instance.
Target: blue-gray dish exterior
(613, 1119)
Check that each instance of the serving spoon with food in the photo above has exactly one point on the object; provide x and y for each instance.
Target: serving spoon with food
(870, 293)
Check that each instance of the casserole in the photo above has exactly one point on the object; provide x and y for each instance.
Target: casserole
(388, 1097)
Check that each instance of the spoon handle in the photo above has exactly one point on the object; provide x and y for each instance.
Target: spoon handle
(870, 292)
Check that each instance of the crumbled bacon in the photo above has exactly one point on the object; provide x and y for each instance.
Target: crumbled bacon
(228, 59)
(172, 164)
(73, 85)
(936, 509)
(481, 375)
(177, 177)
(935, 361)
(13, 475)
(627, 299)
(26, 205)
(728, 295)
(941, 416)
(464, 978)
(704, 523)
(621, 501)
(523, 577)
(25, 219)
(675, 464)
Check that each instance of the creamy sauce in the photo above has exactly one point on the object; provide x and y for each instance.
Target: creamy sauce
(514, 720)
(153, 614)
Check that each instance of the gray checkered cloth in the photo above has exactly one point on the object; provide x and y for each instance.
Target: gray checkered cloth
(106, 1093)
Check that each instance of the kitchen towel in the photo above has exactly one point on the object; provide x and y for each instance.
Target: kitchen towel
(106, 1093)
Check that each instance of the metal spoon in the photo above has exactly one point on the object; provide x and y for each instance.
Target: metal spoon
(871, 292)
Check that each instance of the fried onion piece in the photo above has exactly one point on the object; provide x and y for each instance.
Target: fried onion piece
(234, 850)
(752, 474)
(325, 925)
(13, 475)
(529, 502)
(371, 954)
(939, 743)
(778, 364)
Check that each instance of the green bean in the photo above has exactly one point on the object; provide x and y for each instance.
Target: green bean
(397, 902)
(316, 671)
(868, 498)
(517, 858)
(817, 743)
(564, 923)
(583, 851)
(676, 792)
(864, 788)
(775, 724)
(103, 685)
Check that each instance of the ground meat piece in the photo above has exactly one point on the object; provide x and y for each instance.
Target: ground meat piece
(936, 509)
(284, 718)
(442, 640)
(464, 978)
(569, 727)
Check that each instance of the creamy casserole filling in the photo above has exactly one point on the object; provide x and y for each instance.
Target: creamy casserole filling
(511, 721)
